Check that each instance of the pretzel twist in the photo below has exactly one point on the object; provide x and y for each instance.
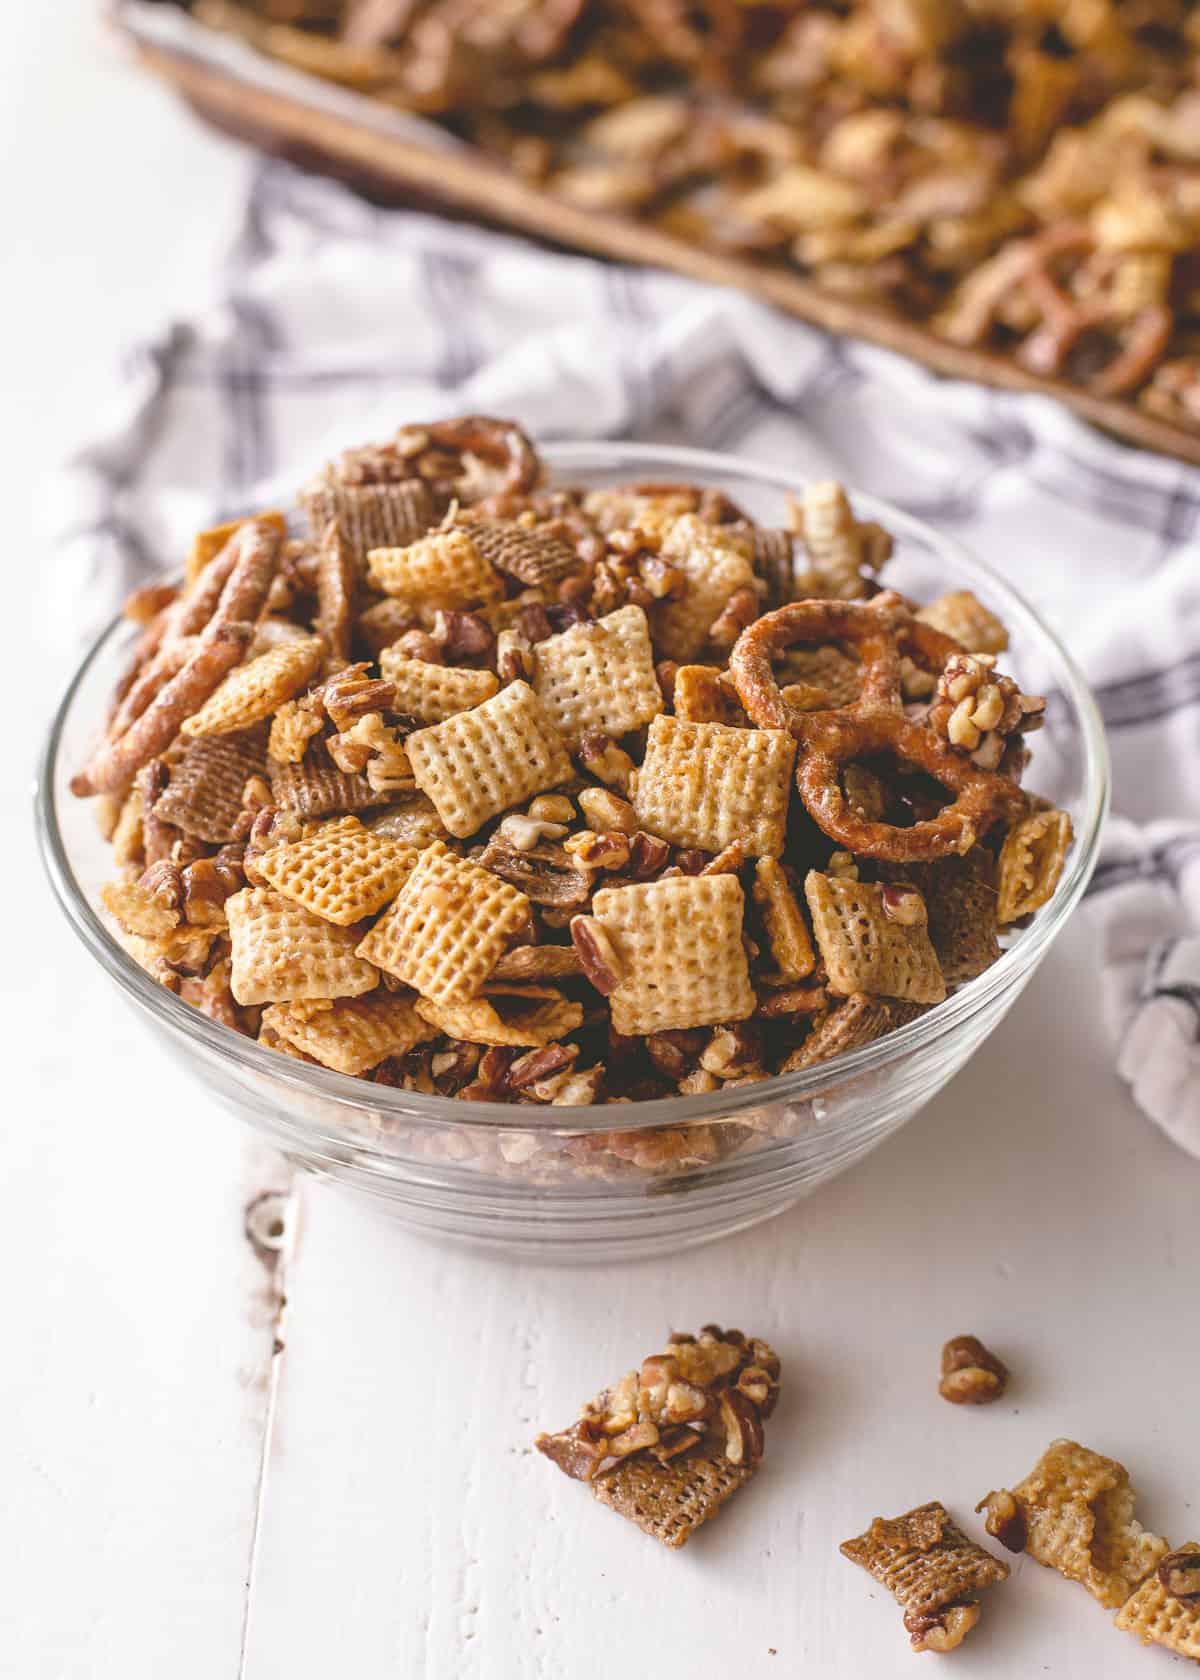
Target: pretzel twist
(501, 443)
(883, 631)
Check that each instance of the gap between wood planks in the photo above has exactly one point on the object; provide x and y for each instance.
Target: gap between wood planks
(270, 1222)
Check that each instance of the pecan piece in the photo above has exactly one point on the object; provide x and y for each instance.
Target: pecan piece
(596, 955)
(971, 1375)
(462, 635)
(540, 1064)
(1179, 1573)
(743, 1428)
(1005, 1520)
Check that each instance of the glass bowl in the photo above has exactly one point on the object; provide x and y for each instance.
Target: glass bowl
(563, 1183)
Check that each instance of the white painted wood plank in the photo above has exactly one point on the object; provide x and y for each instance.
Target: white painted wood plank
(138, 1330)
(408, 1530)
(138, 1324)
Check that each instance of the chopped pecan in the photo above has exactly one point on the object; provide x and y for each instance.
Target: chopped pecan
(648, 856)
(540, 1064)
(1179, 1573)
(733, 1051)
(598, 851)
(514, 656)
(1005, 1520)
(419, 644)
(602, 758)
(742, 1423)
(596, 955)
(726, 862)
(208, 882)
(693, 1384)
(533, 622)
(676, 1051)
(607, 812)
(971, 1375)
(462, 635)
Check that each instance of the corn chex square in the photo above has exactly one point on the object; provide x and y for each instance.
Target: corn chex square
(252, 691)
(516, 1015)
(678, 944)
(708, 784)
(442, 570)
(478, 763)
(432, 692)
(445, 930)
(1078, 1511)
(701, 697)
(206, 545)
(1159, 1618)
(1031, 863)
(350, 1035)
(864, 949)
(282, 953)
(204, 795)
(341, 872)
(598, 675)
(715, 565)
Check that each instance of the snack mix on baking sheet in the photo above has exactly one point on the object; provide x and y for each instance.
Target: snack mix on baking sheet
(557, 796)
(1016, 175)
(669, 1443)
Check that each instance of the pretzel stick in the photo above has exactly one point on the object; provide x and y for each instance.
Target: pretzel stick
(335, 590)
(180, 618)
(218, 650)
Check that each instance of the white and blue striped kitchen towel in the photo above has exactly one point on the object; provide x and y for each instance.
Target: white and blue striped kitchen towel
(336, 321)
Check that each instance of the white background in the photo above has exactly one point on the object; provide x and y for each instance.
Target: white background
(177, 1501)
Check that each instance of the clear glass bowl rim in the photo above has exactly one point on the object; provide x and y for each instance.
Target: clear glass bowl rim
(641, 461)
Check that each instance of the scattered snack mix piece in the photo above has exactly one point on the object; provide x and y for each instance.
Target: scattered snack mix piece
(669, 1443)
(1074, 1513)
(932, 1570)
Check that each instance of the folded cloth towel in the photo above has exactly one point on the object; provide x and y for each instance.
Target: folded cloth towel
(338, 321)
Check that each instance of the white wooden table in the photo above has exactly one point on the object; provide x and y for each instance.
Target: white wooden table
(203, 1484)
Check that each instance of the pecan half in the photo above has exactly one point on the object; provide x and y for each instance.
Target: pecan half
(596, 956)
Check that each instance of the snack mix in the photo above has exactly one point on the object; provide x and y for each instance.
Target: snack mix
(1074, 1513)
(1017, 176)
(554, 796)
(932, 1570)
(668, 1444)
